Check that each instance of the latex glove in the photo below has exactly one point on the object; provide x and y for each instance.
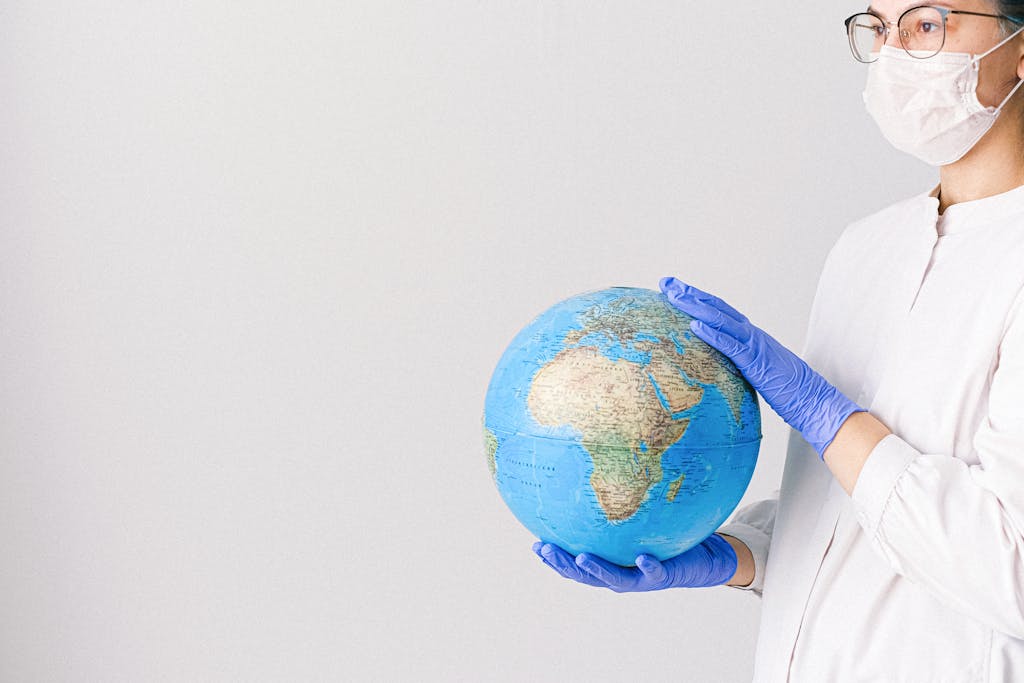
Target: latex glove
(801, 397)
(712, 562)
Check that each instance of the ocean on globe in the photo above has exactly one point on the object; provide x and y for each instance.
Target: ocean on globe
(609, 427)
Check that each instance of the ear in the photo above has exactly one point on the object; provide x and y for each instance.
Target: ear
(1020, 57)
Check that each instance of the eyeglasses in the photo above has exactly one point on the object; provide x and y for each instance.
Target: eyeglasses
(922, 31)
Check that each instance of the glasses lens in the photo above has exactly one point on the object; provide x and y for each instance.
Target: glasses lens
(867, 35)
(922, 32)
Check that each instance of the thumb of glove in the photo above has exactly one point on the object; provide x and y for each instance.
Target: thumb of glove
(652, 569)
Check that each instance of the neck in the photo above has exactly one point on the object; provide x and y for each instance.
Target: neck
(993, 166)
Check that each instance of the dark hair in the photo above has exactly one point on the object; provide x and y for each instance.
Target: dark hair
(1013, 9)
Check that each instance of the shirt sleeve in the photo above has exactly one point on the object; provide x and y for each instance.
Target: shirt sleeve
(753, 525)
(957, 529)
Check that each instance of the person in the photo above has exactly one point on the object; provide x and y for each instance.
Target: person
(895, 551)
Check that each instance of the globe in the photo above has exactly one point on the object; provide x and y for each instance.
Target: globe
(609, 427)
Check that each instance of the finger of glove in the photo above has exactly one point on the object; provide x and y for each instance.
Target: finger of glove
(580, 576)
(711, 316)
(670, 284)
(722, 341)
(536, 551)
(558, 558)
(617, 578)
(549, 564)
(563, 563)
(779, 374)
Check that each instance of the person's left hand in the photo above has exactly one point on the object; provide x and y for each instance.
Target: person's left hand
(801, 397)
(711, 562)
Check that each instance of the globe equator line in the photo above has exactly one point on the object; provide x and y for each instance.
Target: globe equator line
(497, 430)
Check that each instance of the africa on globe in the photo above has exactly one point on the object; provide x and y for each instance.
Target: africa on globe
(610, 427)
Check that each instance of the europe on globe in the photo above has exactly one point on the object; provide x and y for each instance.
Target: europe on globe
(609, 427)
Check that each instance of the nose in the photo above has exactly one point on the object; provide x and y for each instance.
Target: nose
(892, 35)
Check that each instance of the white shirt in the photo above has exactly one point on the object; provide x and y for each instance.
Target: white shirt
(919, 575)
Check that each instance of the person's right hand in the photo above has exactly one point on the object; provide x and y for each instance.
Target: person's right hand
(712, 562)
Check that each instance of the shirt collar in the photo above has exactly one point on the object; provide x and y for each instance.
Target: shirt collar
(963, 216)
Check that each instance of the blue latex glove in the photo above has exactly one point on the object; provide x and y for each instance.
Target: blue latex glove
(803, 398)
(712, 562)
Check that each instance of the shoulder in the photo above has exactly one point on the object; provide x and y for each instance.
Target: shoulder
(888, 231)
(870, 249)
(887, 223)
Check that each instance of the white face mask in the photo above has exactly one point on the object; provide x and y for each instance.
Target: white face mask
(929, 107)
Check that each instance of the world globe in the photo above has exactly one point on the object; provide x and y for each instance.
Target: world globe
(609, 427)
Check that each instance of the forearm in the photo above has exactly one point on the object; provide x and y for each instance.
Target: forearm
(745, 562)
(852, 445)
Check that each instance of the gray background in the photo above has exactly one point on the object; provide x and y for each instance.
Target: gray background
(258, 261)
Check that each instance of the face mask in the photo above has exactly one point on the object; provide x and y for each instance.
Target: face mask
(929, 107)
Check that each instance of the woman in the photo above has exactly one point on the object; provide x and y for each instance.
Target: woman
(896, 554)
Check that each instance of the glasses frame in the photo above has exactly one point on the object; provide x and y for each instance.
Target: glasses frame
(943, 11)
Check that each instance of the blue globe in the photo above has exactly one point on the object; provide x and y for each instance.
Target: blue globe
(609, 427)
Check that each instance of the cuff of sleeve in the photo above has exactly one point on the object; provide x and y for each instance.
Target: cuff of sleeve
(885, 464)
(757, 541)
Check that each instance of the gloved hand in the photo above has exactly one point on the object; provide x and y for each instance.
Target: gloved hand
(801, 397)
(712, 562)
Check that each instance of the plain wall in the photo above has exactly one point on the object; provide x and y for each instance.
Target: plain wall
(258, 261)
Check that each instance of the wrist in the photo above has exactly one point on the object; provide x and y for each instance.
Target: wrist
(827, 419)
(852, 446)
(743, 576)
(722, 561)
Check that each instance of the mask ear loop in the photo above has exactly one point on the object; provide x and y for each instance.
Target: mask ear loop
(976, 60)
(998, 45)
(1007, 98)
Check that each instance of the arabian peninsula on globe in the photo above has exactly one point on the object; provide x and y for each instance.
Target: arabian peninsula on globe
(609, 427)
